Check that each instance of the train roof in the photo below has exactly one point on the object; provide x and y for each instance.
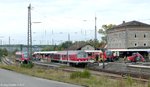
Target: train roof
(19, 53)
(92, 51)
(45, 52)
(65, 52)
(148, 50)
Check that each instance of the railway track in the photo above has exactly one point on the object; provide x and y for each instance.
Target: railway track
(100, 72)
(6, 61)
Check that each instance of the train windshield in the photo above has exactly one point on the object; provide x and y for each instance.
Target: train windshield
(25, 55)
(108, 53)
(82, 55)
(18, 56)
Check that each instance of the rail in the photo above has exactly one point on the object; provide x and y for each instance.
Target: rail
(100, 72)
(6, 61)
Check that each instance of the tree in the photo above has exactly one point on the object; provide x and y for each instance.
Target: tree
(48, 48)
(104, 29)
(5, 52)
(66, 44)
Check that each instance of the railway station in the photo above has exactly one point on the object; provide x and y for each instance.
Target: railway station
(75, 43)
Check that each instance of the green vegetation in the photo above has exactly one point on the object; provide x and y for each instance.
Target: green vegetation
(104, 29)
(79, 74)
(67, 44)
(3, 52)
(148, 83)
(85, 79)
(27, 64)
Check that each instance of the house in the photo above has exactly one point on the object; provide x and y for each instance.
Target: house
(129, 35)
(81, 46)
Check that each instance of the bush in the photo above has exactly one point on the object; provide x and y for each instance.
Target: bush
(129, 81)
(27, 64)
(79, 74)
(148, 85)
(86, 74)
(76, 74)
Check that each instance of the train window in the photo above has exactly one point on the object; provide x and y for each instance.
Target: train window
(89, 54)
(18, 56)
(108, 53)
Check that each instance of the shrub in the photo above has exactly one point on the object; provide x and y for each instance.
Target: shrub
(129, 81)
(40, 71)
(85, 74)
(27, 64)
(76, 74)
(79, 74)
(148, 85)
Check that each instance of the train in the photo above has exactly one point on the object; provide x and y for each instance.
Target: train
(21, 56)
(71, 57)
(74, 57)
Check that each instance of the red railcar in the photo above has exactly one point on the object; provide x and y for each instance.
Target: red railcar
(72, 57)
(98, 55)
(21, 56)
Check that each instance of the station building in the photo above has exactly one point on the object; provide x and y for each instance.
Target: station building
(128, 37)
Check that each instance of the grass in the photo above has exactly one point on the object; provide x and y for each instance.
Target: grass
(89, 81)
(79, 74)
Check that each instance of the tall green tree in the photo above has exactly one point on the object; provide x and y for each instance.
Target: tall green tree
(3, 52)
(66, 44)
(104, 29)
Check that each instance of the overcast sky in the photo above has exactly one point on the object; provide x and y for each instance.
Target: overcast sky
(60, 17)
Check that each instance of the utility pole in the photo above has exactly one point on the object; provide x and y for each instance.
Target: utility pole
(29, 38)
(9, 43)
(95, 29)
(95, 40)
(68, 38)
(68, 50)
(9, 40)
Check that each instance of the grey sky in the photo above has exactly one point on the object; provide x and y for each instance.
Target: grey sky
(60, 17)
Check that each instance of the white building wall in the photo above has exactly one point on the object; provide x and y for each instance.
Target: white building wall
(139, 37)
(136, 37)
(116, 39)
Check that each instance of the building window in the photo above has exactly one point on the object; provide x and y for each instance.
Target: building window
(135, 35)
(144, 35)
(87, 47)
(135, 44)
(145, 44)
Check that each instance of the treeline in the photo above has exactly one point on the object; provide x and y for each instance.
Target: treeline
(3, 52)
(67, 44)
